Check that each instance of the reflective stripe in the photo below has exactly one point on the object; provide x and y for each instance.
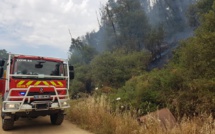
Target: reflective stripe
(29, 83)
(37, 83)
(53, 83)
(46, 83)
(21, 82)
(60, 83)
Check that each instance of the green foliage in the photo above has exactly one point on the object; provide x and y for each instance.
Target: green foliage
(108, 69)
(195, 11)
(197, 55)
(113, 69)
(196, 61)
(134, 63)
(194, 102)
(80, 57)
(154, 41)
(150, 91)
(82, 81)
(104, 68)
(204, 6)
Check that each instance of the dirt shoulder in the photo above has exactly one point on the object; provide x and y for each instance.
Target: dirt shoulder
(42, 125)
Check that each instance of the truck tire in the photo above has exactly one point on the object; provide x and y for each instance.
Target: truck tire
(7, 124)
(57, 119)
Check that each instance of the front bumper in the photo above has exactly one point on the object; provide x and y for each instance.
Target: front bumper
(36, 103)
(16, 106)
(30, 114)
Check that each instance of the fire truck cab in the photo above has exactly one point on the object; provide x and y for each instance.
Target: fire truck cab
(33, 86)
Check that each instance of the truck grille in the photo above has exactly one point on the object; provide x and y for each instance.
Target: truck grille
(36, 93)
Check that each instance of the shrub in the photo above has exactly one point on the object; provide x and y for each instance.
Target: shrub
(93, 114)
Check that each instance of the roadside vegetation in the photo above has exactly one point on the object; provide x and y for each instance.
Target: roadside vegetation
(95, 115)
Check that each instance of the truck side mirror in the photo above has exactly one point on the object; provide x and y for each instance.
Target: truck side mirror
(71, 72)
(1, 72)
(2, 62)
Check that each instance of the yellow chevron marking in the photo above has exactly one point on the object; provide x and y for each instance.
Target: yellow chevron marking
(37, 83)
(21, 82)
(46, 83)
(53, 83)
(60, 83)
(29, 83)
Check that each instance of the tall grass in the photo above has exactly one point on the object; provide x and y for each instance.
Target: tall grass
(95, 115)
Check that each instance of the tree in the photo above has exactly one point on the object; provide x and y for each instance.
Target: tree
(81, 52)
(154, 42)
(197, 55)
(196, 10)
(82, 81)
(114, 69)
(128, 22)
(3, 54)
(76, 45)
(195, 61)
(171, 14)
(103, 69)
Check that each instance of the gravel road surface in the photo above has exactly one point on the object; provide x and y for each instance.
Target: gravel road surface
(42, 125)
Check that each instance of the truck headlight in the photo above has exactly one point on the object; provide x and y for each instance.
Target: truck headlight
(64, 103)
(11, 106)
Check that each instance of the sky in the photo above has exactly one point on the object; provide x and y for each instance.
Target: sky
(41, 27)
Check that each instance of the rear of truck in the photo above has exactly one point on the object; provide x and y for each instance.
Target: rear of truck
(35, 86)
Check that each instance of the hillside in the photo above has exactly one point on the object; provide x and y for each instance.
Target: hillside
(121, 59)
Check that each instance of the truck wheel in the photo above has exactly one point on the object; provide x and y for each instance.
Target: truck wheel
(7, 124)
(57, 119)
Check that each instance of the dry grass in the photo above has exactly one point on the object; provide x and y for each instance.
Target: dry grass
(95, 116)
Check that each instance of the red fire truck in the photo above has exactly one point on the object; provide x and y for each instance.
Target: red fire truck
(33, 86)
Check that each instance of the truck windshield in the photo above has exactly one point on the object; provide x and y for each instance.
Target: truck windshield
(38, 67)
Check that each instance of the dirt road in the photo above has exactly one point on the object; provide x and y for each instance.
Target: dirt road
(42, 125)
